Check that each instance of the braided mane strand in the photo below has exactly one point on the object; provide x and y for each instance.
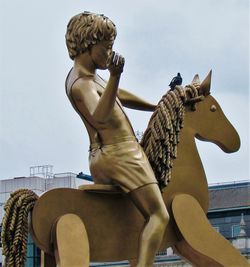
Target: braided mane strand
(15, 226)
(162, 135)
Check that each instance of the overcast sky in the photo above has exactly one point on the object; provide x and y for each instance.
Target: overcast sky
(157, 38)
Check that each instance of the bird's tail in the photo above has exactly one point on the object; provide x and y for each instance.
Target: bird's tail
(15, 226)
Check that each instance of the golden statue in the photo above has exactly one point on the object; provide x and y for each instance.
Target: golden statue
(124, 215)
(115, 155)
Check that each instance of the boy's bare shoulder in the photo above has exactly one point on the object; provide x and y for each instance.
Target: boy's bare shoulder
(84, 87)
(83, 84)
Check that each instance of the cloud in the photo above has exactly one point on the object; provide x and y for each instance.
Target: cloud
(39, 126)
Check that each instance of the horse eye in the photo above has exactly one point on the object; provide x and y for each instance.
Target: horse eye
(213, 108)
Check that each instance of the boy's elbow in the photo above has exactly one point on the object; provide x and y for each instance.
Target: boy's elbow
(100, 120)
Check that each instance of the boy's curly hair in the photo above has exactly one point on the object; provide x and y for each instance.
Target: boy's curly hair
(85, 30)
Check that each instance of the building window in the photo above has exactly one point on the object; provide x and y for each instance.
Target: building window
(33, 254)
(235, 230)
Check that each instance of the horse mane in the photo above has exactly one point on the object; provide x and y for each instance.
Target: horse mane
(162, 135)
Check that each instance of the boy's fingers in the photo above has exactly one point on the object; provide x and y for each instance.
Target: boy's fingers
(122, 60)
(116, 59)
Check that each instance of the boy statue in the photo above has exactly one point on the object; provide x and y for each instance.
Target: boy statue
(115, 155)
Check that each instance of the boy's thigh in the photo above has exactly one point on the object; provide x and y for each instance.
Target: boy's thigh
(148, 199)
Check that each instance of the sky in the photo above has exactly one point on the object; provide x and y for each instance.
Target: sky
(38, 126)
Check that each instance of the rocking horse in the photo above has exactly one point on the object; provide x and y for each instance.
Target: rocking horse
(99, 223)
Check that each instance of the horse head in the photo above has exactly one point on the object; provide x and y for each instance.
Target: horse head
(208, 122)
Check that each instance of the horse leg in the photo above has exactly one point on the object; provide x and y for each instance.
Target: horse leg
(211, 248)
(183, 249)
(70, 242)
(47, 260)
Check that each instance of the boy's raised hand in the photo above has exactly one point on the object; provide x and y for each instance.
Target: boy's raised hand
(116, 64)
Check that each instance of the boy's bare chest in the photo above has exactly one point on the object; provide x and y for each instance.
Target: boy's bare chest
(118, 114)
(100, 90)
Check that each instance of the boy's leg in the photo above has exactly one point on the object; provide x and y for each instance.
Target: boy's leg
(149, 201)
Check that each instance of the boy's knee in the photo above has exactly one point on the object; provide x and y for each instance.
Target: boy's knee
(163, 216)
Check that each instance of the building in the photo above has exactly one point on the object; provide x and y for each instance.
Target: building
(229, 203)
(39, 185)
(229, 213)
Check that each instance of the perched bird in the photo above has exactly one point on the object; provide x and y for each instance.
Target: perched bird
(177, 80)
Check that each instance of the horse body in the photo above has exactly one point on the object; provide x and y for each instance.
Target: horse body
(112, 222)
(112, 230)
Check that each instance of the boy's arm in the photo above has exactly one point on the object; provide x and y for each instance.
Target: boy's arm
(132, 101)
(95, 108)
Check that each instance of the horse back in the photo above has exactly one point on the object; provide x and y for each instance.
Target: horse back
(112, 222)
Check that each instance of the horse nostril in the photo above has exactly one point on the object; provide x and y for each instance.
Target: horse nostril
(213, 108)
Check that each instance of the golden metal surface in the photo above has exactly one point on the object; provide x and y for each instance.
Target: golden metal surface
(203, 245)
(71, 246)
(125, 216)
(115, 155)
(131, 226)
(110, 218)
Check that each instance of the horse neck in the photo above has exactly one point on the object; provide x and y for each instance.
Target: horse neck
(188, 175)
(187, 155)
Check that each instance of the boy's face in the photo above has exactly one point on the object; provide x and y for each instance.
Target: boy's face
(101, 54)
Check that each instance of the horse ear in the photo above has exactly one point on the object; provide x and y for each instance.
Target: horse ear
(196, 79)
(206, 84)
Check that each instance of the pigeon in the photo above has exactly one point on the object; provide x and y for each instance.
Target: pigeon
(177, 80)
